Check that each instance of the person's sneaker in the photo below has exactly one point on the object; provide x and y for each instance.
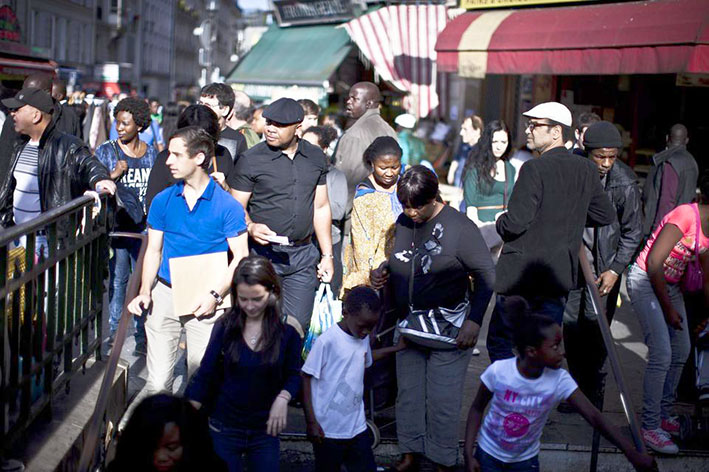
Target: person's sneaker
(659, 441)
(476, 351)
(141, 349)
(670, 425)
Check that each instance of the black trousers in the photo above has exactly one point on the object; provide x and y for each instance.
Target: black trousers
(297, 268)
(585, 352)
(355, 454)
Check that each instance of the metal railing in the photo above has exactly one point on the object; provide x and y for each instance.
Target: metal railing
(51, 296)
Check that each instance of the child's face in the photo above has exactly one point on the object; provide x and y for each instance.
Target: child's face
(168, 453)
(551, 351)
(361, 324)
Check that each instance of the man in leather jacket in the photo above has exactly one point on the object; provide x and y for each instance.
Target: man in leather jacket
(58, 169)
(610, 250)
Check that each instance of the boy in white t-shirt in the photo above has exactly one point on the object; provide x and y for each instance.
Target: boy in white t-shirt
(523, 391)
(333, 385)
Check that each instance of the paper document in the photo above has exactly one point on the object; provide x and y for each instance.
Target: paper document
(193, 277)
(282, 240)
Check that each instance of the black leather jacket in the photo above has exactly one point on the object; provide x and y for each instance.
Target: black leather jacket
(67, 168)
(618, 241)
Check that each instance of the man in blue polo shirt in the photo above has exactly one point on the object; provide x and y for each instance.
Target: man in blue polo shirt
(193, 217)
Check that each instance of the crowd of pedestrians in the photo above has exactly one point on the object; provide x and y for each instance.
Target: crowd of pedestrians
(294, 202)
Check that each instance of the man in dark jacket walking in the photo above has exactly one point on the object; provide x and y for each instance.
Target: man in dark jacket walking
(609, 249)
(672, 180)
(555, 196)
(48, 168)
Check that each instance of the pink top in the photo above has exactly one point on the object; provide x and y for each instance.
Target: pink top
(685, 218)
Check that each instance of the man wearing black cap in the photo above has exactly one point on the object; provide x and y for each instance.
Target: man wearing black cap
(609, 249)
(282, 184)
(46, 164)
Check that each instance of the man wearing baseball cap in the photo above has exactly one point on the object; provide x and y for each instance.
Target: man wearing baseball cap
(555, 197)
(282, 184)
(46, 164)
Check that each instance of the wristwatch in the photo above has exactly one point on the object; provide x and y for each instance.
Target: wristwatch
(216, 296)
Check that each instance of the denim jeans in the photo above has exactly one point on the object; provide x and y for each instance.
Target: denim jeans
(499, 335)
(121, 266)
(668, 348)
(230, 444)
(355, 454)
(489, 463)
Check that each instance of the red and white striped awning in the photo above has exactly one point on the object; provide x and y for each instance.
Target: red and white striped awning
(400, 42)
(650, 37)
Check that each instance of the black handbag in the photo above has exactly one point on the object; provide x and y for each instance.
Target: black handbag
(435, 328)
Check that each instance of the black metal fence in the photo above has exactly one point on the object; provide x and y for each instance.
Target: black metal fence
(52, 273)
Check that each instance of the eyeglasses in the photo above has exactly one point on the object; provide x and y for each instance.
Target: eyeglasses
(532, 124)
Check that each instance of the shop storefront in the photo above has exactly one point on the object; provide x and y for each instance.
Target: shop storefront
(305, 55)
(642, 65)
(17, 60)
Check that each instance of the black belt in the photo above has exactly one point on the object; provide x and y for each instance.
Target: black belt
(302, 242)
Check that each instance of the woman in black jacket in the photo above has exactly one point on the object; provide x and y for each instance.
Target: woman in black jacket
(436, 252)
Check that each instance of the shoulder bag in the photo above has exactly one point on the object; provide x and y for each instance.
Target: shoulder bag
(693, 278)
(435, 328)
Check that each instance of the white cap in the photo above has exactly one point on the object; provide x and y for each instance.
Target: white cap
(554, 111)
(406, 120)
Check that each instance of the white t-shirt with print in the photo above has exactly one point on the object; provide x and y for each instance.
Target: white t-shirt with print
(336, 363)
(519, 409)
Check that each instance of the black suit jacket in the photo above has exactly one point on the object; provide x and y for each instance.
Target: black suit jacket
(555, 197)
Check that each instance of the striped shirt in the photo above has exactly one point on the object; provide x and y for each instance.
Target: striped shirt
(25, 199)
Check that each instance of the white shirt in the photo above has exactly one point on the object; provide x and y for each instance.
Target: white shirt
(336, 363)
(519, 409)
(25, 199)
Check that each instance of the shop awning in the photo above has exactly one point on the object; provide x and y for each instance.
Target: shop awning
(399, 42)
(654, 37)
(298, 55)
(18, 69)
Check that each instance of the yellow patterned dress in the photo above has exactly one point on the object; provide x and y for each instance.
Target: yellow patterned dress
(374, 213)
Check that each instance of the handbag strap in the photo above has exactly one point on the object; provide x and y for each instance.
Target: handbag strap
(411, 278)
(698, 234)
(504, 195)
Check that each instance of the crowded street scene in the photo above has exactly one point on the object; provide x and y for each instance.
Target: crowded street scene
(361, 235)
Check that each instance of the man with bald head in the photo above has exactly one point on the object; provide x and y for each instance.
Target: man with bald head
(672, 180)
(362, 105)
(240, 116)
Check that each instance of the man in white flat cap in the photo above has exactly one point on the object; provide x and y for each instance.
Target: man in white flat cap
(555, 197)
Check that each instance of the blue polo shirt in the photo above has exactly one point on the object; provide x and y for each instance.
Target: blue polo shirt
(203, 230)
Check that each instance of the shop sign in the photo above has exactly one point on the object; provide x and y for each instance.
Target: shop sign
(9, 26)
(307, 12)
(692, 80)
(477, 4)
(108, 72)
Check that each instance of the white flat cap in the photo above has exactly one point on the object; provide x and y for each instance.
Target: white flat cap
(406, 120)
(554, 111)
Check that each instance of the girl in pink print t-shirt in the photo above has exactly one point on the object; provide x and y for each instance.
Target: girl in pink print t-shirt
(522, 391)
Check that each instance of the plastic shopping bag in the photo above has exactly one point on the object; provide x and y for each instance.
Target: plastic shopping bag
(326, 312)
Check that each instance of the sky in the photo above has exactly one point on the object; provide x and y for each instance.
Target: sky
(253, 4)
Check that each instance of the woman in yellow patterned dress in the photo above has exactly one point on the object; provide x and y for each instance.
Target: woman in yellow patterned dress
(374, 212)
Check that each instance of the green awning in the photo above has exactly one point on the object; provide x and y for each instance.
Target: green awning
(297, 55)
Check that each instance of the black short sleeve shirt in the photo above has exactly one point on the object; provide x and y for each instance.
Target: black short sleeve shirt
(282, 189)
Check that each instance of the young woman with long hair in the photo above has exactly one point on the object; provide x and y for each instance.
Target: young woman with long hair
(250, 371)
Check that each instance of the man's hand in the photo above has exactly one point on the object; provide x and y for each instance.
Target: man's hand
(259, 232)
(107, 185)
(140, 304)
(220, 179)
(206, 306)
(606, 281)
(314, 432)
(379, 277)
(119, 170)
(277, 416)
(326, 269)
(468, 334)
